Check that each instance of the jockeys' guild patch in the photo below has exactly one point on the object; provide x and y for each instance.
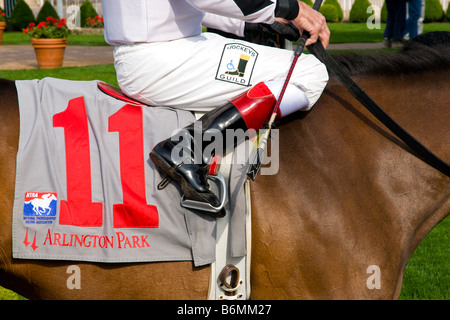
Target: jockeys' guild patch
(236, 64)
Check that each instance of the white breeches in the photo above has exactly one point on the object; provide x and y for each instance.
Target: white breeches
(203, 72)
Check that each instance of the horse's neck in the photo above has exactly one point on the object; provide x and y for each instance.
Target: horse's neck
(347, 188)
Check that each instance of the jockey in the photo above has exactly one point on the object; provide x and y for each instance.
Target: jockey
(163, 58)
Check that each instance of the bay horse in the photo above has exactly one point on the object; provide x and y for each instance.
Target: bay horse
(350, 201)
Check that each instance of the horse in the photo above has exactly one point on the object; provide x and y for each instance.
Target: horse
(340, 219)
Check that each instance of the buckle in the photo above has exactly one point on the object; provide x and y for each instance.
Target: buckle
(217, 212)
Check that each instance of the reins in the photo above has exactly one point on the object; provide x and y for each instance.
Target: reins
(426, 155)
(255, 165)
(320, 53)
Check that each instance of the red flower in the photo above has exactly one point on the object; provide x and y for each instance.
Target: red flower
(42, 25)
(25, 30)
(31, 24)
(52, 20)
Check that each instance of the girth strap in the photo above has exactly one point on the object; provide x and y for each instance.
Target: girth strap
(357, 92)
(230, 287)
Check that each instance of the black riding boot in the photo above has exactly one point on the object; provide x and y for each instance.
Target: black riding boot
(248, 111)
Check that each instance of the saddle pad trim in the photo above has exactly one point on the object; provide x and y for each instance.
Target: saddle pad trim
(115, 92)
(46, 172)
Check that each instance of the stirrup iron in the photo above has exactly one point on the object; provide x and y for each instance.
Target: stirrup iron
(217, 212)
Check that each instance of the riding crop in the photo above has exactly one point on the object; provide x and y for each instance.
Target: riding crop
(255, 165)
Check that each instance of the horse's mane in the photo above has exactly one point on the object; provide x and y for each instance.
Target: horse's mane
(427, 52)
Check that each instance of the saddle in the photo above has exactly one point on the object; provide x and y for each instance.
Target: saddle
(115, 92)
(218, 186)
(226, 280)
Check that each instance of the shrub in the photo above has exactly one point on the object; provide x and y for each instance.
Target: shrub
(47, 10)
(383, 13)
(96, 22)
(87, 11)
(433, 11)
(358, 13)
(338, 8)
(447, 14)
(21, 15)
(329, 12)
(2, 15)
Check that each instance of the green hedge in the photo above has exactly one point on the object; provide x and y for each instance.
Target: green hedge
(308, 2)
(329, 12)
(87, 11)
(433, 11)
(336, 4)
(383, 13)
(47, 10)
(358, 13)
(21, 16)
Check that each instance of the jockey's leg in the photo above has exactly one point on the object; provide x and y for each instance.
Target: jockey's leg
(184, 73)
(248, 111)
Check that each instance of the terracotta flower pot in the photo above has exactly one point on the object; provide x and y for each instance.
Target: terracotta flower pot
(2, 28)
(49, 52)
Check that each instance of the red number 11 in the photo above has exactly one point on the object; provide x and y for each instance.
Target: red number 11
(78, 209)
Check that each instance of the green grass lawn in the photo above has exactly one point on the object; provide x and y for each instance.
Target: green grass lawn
(340, 33)
(358, 32)
(105, 73)
(6, 294)
(11, 38)
(427, 274)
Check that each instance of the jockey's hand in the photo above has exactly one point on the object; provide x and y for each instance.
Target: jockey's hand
(314, 22)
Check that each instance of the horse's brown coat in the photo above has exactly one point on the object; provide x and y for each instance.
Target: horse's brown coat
(348, 195)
